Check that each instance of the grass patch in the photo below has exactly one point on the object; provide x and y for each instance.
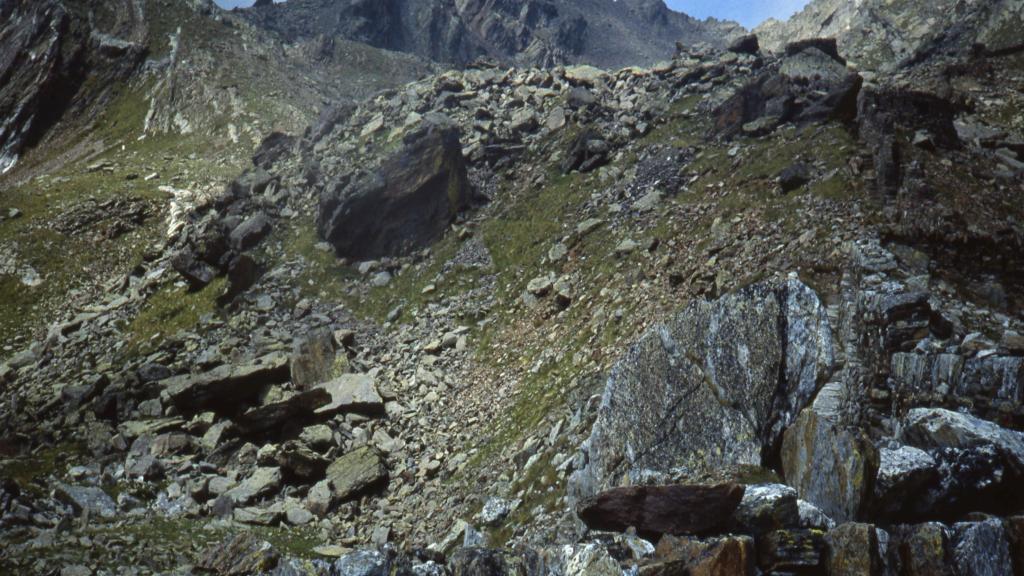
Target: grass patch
(29, 471)
(170, 311)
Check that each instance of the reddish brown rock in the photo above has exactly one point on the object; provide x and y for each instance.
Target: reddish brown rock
(676, 509)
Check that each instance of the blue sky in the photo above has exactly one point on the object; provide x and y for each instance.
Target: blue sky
(750, 13)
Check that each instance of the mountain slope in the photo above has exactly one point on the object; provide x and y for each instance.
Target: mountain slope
(878, 33)
(606, 33)
(140, 101)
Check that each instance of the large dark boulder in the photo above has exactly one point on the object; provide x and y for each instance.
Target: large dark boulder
(656, 510)
(404, 205)
(274, 148)
(586, 152)
(810, 84)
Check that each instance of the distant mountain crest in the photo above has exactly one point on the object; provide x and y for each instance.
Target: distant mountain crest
(608, 33)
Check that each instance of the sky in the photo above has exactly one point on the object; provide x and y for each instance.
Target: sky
(749, 13)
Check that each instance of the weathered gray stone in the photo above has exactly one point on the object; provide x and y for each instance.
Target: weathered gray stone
(356, 472)
(831, 465)
(854, 551)
(712, 390)
(239, 555)
(90, 500)
(361, 563)
(732, 555)
(923, 549)
(981, 549)
(674, 509)
(792, 551)
(903, 473)
(262, 482)
(295, 407)
(315, 360)
(406, 204)
(939, 428)
(352, 393)
(226, 385)
(767, 507)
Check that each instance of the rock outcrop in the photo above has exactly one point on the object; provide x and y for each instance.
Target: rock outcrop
(875, 33)
(710, 391)
(46, 56)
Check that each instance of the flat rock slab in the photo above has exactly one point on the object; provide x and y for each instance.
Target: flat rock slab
(227, 385)
(87, 499)
(296, 407)
(355, 473)
(674, 509)
(352, 393)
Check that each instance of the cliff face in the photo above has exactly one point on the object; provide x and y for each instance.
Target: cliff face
(605, 33)
(47, 52)
(880, 34)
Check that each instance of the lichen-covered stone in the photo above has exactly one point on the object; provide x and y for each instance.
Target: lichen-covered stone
(981, 548)
(831, 465)
(854, 550)
(767, 507)
(711, 390)
(355, 472)
(796, 551)
(922, 549)
(733, 555)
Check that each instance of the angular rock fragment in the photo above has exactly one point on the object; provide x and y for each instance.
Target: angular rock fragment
(588, 151)
(981, 548)
(480, 561)
(263, 482)
(239, 555)
(767, 507)
(250, 232)
(299, 461)
(904, 473)
(746, 44)
(294, 408)
(90, 500)
(352, 393)
(854, 551)
(733, 555)
(792, 551)
(941, 428)
(225, 385)
(315, 360)
(923, 549)
(356, 472)
(405, 205)
(831, 465)
(674, 509)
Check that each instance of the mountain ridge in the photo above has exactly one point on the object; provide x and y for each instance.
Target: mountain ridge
(606, 33)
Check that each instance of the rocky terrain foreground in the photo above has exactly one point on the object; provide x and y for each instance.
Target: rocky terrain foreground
(747, 310)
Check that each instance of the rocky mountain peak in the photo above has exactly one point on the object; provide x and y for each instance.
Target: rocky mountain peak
(606, 33)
